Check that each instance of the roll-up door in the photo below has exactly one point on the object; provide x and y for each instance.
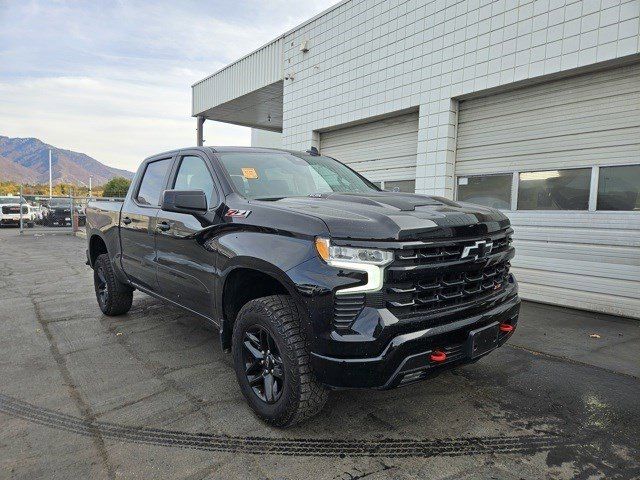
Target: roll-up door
(586, 258)
(383, 150)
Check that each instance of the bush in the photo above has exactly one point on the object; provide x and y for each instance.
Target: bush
(116, 187)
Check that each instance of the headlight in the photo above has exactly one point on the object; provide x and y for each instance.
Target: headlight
(335, 253)
(371, 261)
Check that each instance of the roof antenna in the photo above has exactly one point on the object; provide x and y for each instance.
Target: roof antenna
(313, 151)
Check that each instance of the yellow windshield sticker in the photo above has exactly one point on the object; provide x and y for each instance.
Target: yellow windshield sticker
(249, 173)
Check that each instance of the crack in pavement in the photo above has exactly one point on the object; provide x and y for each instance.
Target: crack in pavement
(568, 360)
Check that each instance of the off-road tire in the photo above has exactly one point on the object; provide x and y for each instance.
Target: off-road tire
(302, 396)
(120, 295)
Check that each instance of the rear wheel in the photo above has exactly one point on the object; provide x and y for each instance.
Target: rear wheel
(114, 297)
(272, 364)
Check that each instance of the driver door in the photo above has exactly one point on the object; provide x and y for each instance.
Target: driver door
(185, 267)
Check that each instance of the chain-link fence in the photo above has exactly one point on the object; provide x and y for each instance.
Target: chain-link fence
(33, 213)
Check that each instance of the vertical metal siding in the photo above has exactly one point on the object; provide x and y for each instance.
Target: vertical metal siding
(583, 259)
(258, 69)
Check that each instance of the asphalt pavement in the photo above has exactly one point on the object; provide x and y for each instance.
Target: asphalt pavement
(151, 395)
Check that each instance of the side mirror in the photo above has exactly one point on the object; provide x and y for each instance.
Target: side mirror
(184, 201)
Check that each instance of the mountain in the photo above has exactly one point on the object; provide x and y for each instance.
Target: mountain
(26, 160)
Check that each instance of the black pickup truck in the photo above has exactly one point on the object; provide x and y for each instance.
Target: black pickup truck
(315, 278)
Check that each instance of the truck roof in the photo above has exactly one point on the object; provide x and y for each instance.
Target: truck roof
(222, 149)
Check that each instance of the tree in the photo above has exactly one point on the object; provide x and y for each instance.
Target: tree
(116, 187)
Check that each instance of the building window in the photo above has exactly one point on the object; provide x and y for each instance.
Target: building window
(489, 190)
(619, 188)
(406, 186)
(554, 190)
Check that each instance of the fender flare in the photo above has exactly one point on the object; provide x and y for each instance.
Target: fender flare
(258, 265)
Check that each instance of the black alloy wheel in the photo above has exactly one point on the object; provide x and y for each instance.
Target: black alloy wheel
(263, 364)
(102, 287)
(114, 297)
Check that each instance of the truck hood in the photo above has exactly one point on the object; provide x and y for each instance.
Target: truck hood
(394, 216)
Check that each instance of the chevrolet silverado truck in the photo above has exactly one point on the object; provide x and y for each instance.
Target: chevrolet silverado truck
(314, 277)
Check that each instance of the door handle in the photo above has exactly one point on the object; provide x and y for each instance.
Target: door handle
(163, 226)
(126, 220)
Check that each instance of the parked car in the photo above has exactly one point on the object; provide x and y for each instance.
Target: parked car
(58, 213)
(10, 207)
(315, 278)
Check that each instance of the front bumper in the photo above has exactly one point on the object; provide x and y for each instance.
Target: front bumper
(405, 358)
(60, 221)
(12, 219)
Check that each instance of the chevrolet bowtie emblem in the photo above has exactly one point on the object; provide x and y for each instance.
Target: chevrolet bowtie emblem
(478, 250)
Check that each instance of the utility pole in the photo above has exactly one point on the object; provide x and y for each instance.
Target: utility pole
(50, 177)
(90, 177)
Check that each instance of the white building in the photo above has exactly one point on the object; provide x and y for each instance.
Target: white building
(529, 106)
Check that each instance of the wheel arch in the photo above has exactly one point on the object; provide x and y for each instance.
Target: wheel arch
(246, 281)
(97, 246)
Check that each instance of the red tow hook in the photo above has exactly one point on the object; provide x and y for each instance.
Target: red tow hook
(506, 328)
(438, 356)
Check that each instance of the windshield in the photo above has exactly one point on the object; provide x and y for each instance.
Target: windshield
(272, 175)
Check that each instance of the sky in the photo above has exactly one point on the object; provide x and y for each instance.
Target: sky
(112, 78)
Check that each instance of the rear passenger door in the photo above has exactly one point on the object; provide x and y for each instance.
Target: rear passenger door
(138, 224)
(186, 268)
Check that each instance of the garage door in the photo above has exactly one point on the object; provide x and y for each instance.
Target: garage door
(564, 159)
(384, 150)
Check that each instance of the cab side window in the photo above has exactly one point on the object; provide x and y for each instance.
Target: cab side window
(193, 174)
(152, 183)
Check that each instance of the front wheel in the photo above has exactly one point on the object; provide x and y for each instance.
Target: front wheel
(114, 297)
(272, 362)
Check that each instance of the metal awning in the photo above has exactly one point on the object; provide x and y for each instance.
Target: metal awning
(247, 92)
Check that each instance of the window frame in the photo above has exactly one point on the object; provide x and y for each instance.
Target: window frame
(502, 174)
(593, 187)
(136, 191)
(596, 186)
(590, 168)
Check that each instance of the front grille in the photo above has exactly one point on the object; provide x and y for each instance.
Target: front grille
(10, 210)
(432, 278)
(431, 254)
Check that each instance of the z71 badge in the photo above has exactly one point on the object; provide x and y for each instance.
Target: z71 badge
(232, 212)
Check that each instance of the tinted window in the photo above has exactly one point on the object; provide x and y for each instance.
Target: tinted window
(619, 188)
(554, 190)
(153, 183)
(406, 186)
(193, 174)
(489, 190)
(279, 174)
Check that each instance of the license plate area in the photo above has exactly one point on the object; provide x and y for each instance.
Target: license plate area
(482, 340)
